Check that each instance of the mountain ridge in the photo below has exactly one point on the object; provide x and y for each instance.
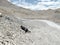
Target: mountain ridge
(8, 8)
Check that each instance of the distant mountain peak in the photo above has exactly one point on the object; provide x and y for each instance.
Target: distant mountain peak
(37, 4)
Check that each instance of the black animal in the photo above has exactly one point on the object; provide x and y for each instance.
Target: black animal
(1, 16)
(25, 29)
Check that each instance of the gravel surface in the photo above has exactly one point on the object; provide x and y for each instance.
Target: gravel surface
(41, 33)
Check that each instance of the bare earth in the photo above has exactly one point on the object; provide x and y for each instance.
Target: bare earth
(44, 26)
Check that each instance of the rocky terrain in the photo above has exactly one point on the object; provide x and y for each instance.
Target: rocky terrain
(41, 33)
(42, 24)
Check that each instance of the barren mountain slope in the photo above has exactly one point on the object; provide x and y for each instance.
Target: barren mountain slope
(41, 33)
(8, 8)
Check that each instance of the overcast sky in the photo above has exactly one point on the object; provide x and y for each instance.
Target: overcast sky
(37, 4)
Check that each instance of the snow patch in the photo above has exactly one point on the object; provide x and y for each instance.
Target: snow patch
(37, 4)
